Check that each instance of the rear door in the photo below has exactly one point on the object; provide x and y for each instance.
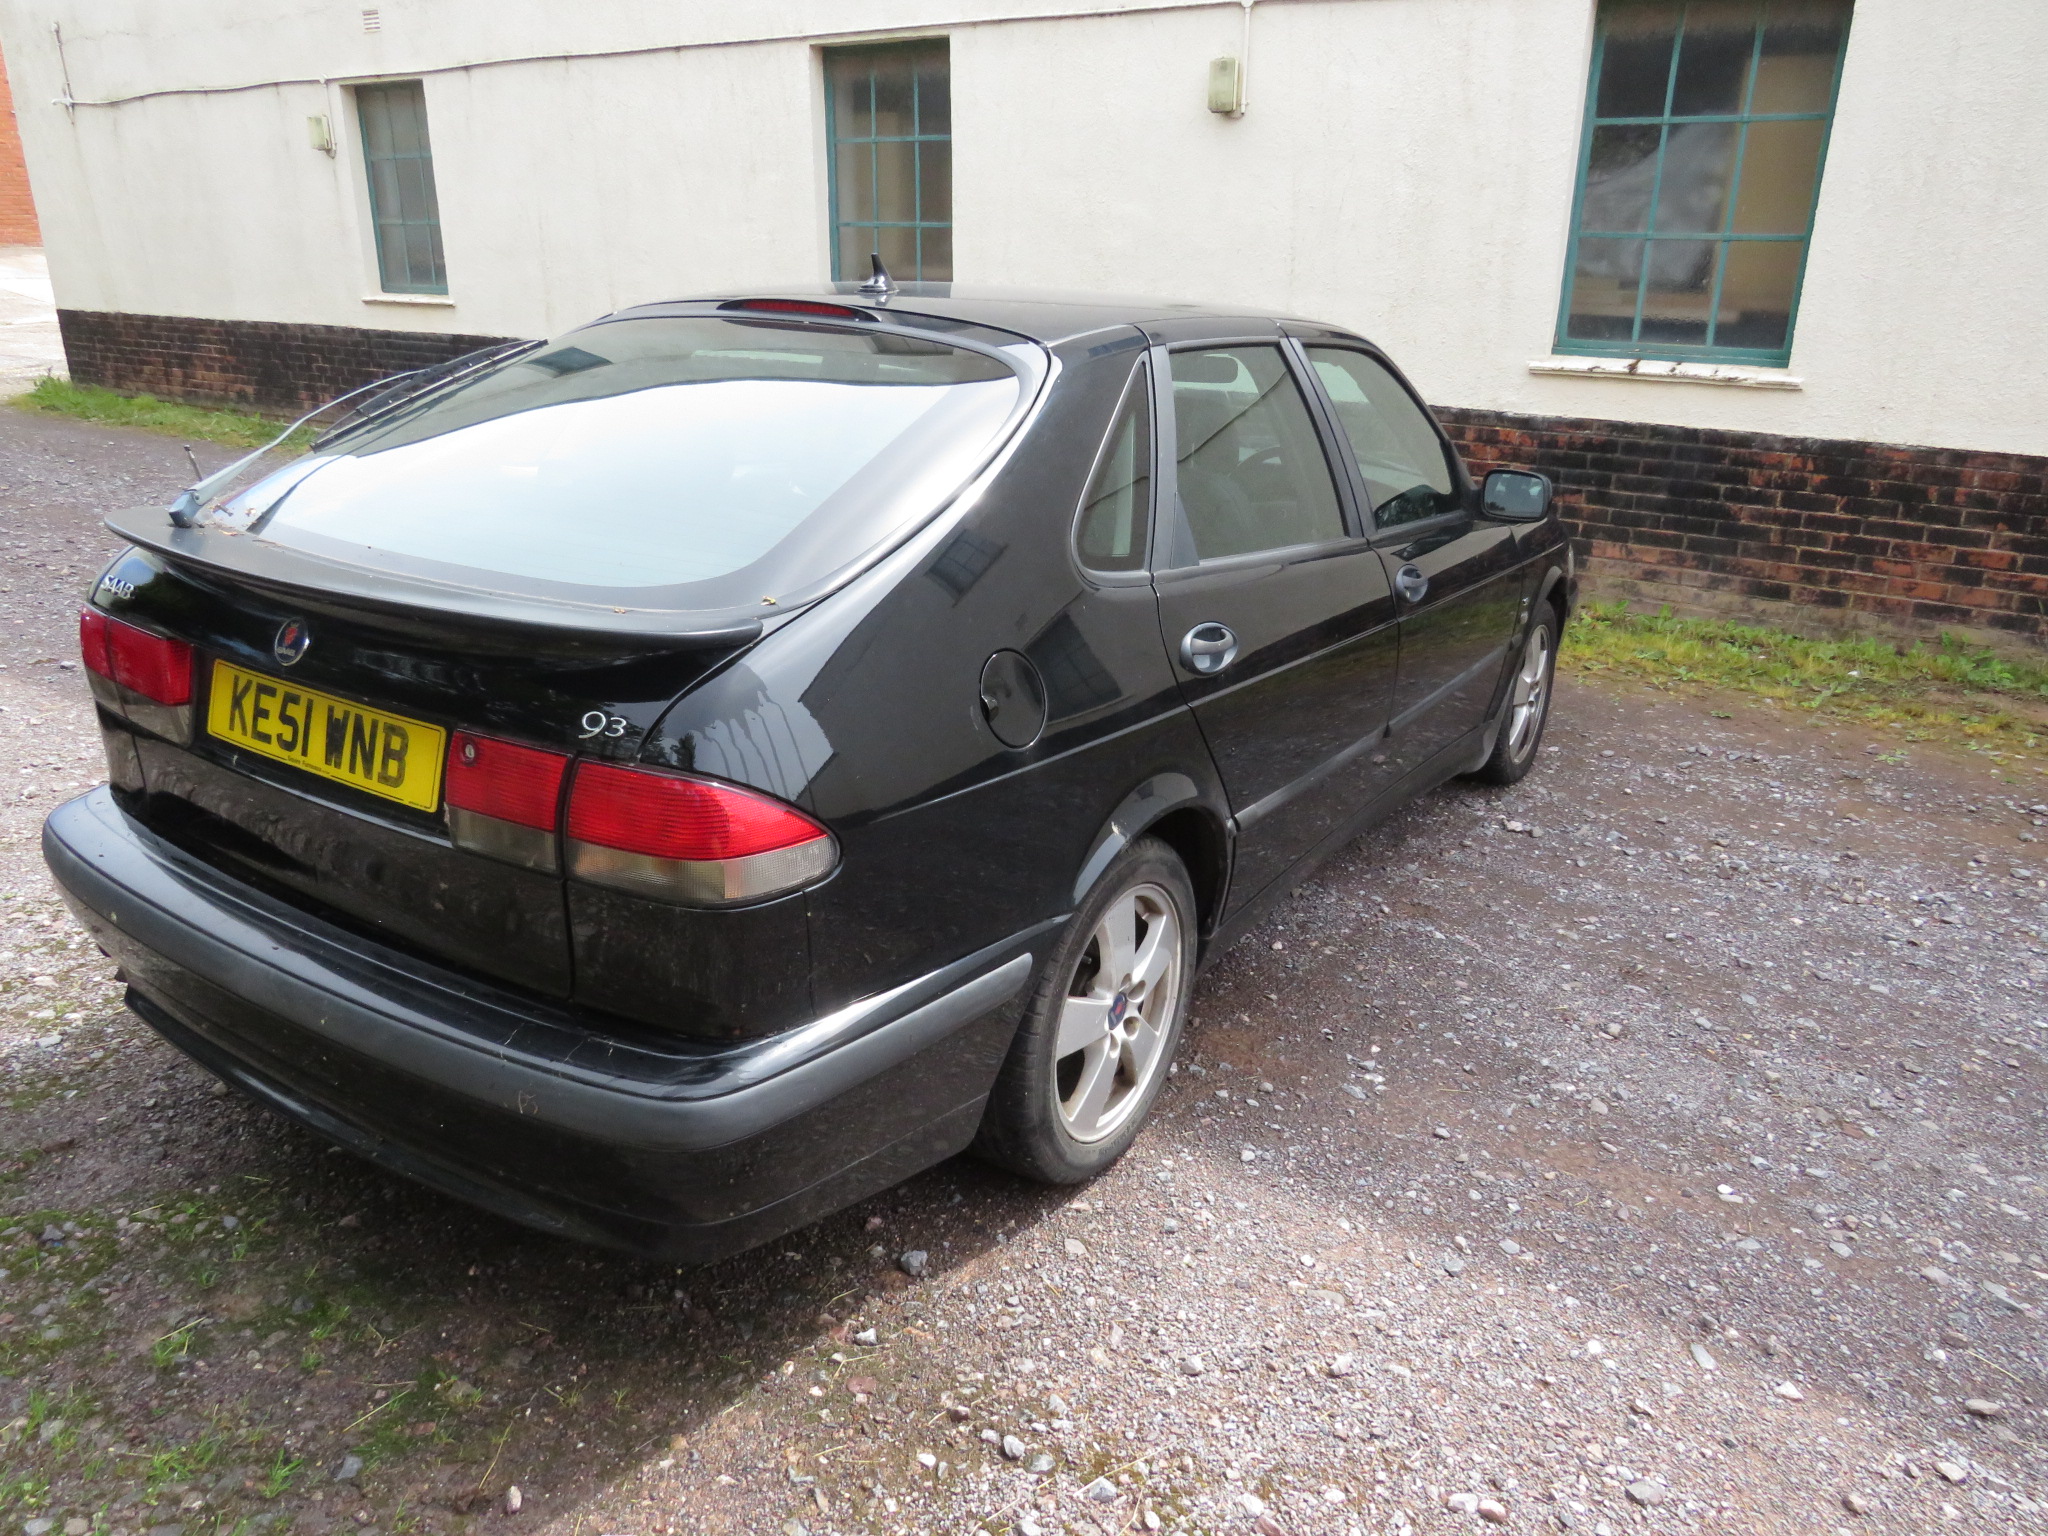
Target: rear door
(1456, 575)
(1274, 606)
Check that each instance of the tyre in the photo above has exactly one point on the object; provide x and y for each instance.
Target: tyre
(1528, 705)
(1092, 1052)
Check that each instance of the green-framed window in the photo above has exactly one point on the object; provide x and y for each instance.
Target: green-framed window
(1706, 128)
(404, 211)
(889, 135)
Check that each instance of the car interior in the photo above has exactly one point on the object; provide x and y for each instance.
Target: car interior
(1252, 472)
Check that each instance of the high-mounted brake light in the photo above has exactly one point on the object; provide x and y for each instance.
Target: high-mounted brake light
(798, 307)
(689, 840)
(504, 799)
(146, 677)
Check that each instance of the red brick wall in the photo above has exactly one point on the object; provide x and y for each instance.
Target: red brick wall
(17, 208)
(1849, 535)
(262, 364)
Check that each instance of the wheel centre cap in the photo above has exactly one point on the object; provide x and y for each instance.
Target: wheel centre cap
(1118, 1007)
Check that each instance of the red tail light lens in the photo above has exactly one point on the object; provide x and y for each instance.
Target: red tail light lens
(92, 641)
(673, 817)
(146, 678)
(159, 669)
(504, 799)
(505, 780)
(641, 830)
(798, 307)
(689, 840)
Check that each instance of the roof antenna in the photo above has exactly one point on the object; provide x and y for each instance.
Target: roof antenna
(879, 281)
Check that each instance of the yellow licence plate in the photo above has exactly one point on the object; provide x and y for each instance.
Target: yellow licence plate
(381, 754)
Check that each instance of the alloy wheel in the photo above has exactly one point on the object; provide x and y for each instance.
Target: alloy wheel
(1118, 1014)
(1531, 693)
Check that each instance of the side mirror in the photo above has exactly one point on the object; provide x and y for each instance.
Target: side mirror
(1515, 495)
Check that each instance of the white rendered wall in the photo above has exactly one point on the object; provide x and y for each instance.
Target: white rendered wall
(1405, 168)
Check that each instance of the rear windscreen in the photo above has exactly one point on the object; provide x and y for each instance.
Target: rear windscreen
(655, 453)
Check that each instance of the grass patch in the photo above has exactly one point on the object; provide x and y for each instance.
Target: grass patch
(106, 407)
(182, 1463)
(1960, 694)
(389, 1428)
(170, 1348)
(283, 1468)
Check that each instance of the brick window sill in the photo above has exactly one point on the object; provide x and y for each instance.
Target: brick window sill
(422, 300)
(1654, 371)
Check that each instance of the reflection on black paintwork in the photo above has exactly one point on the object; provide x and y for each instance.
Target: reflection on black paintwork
(1076, 681)
(1453, 645)
(773, 744)
(566, 360)
(962, 561)
(246, 816)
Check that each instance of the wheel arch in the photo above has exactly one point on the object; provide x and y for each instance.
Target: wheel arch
(1174, 808)
(1556, 590)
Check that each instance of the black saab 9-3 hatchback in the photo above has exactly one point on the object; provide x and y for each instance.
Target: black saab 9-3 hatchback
(668, 782)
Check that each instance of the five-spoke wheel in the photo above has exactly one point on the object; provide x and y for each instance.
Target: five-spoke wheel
(1530, 696)
(1114, 1020)
(1528, 703)
(1092, 1050)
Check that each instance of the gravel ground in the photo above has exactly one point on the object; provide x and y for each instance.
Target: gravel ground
(1654, 1146)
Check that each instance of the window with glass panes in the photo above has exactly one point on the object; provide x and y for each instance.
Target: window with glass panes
(1706, 126)
(404, 211)
(889, 117)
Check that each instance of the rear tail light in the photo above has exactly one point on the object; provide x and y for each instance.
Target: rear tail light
(689, 840)
(504, 800)
(92, 641)
(99, 665)
(146, 677)
(157, 668)
(641, 830)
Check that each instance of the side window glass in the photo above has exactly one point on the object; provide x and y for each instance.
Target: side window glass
(1118, 505)
(1250, 466)
(1399, 454)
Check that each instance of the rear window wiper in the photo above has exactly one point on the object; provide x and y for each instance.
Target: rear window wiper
(404, 389)
(386, 395)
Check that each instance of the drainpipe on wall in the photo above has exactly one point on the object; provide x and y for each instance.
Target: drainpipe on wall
(1244, 68)
(67, 101)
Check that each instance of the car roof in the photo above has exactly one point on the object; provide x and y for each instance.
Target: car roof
(1042, 315)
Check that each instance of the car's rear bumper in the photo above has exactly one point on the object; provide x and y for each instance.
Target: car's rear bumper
(678, 1148)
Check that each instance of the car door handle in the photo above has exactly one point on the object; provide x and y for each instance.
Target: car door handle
(1411, 583)
(1208, 649)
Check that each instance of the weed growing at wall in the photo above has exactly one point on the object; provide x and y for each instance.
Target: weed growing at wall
(1949, 691)
(106, 407)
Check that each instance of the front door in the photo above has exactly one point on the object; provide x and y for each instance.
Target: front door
(1274, 607)
(1456, 575)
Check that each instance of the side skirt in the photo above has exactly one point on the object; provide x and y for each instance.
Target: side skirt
(1461, 756)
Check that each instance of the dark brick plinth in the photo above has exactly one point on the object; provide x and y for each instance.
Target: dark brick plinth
(255, 364)
(1851, 535)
